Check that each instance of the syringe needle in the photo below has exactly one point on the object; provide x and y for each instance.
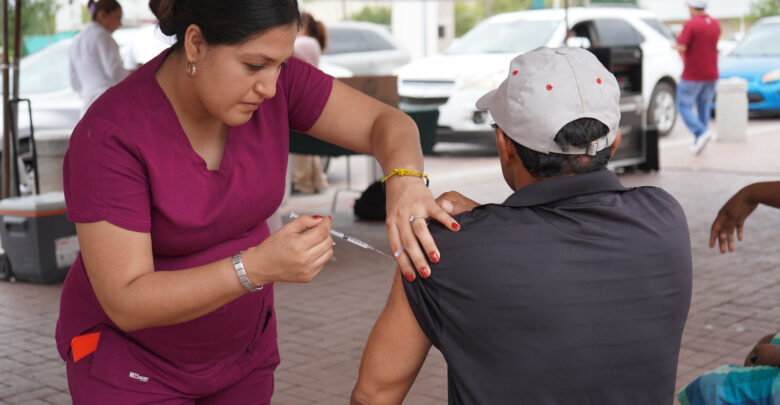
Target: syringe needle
(350, 239)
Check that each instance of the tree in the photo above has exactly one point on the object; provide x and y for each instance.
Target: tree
(469, 13)
(763, 8)
(37, 19)
(379, 15)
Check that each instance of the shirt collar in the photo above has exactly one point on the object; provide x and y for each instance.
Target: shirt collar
(565, 187)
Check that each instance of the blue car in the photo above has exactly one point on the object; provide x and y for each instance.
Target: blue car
(757, 59)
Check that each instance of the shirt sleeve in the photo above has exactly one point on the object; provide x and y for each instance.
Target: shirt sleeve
(307, 89)
(75, 83)
(104, 177)
(685, 35)
(422, 298)
(110, 60)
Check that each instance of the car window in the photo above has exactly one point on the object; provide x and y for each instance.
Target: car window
(344, 40)
(505, 37)
(660, 27)
(614, 32)
(44, 71)
(375, 42)
(760, 41)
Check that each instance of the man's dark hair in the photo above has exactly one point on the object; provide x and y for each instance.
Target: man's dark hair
(578, 133)
(223, 22)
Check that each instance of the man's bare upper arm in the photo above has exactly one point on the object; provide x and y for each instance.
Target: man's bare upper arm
(394, 354)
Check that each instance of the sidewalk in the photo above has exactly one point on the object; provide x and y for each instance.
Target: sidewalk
(323, 325)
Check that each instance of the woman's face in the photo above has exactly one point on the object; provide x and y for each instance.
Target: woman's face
(232, 80)
(110, 21)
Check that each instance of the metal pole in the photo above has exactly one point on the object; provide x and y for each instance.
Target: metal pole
(14, 107)
(6, 186)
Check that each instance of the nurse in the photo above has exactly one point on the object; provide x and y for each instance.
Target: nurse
(95, 64)
(170, 177)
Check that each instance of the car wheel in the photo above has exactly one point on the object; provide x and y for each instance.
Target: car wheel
(662, 111)
(5, 268)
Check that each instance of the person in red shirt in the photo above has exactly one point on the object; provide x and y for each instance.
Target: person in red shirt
(698, 48)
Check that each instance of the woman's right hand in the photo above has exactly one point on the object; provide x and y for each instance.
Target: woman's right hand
(295, 253)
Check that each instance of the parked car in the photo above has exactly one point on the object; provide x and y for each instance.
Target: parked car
(477, 62)
(757, 59)
(364, 48)
(45, 79)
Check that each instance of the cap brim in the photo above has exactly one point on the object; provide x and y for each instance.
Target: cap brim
(484, 102)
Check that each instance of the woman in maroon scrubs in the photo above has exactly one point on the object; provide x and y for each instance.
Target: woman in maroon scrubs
(170, 177)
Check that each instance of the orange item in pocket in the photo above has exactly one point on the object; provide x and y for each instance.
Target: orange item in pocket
(83, 345)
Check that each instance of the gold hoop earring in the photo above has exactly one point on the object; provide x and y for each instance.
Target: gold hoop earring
(190, 69)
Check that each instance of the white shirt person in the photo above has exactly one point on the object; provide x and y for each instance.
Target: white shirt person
(95, 64)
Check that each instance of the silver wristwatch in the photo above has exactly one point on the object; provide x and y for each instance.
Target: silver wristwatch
(242, 277)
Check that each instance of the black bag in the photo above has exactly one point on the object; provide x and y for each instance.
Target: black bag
(371, 204)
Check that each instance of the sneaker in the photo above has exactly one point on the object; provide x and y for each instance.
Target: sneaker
(701, 142)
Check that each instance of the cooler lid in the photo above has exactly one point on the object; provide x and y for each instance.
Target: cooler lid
(51, 201)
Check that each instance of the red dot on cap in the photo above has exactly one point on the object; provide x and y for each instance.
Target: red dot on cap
(598, 80)
(549, 87)
(514, 73)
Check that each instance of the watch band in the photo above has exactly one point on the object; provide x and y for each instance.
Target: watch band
(238, 264)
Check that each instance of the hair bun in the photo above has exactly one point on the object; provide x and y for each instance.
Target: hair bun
(163, 10)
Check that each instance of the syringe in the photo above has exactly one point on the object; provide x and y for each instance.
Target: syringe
(352, 240)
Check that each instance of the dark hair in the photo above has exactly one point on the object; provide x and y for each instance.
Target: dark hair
(223, 22)
(315, 29)
(107, 6)
(578, 133)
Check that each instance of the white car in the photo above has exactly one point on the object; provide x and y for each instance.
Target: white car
(478, 61)
(364, 48)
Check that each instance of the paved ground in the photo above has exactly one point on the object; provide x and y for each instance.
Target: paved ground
(323, 326)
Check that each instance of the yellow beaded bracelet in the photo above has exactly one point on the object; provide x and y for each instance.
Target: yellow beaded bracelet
(407, 172)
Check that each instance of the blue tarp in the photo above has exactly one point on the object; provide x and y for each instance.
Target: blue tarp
(33, 43)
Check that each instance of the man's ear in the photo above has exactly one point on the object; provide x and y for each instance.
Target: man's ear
(194, 44)
(616, 143)
(506, 149)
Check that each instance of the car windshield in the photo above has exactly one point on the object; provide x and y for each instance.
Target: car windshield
(505, 37)
(760, 41)
(44, 71)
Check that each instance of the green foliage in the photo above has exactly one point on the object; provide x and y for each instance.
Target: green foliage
(379, 15)
(469, 13)
(763, 8)
(37, 19)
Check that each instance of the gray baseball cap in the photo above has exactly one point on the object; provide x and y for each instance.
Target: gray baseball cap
(548, 88)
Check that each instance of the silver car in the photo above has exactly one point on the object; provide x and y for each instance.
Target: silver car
(364, 48)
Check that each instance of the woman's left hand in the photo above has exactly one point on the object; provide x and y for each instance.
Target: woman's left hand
(409, 206)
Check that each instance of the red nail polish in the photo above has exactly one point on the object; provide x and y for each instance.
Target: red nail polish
(409, 277)
(424, 272)
(434, 257)
(317, 216)
(455, 226)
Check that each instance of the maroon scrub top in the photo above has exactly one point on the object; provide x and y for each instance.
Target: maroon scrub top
(130, 163)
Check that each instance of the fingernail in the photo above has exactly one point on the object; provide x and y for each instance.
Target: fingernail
(317, 216)
(398, 252)
(455, 226)
(425, 272)
(434, 257)
(409, 277)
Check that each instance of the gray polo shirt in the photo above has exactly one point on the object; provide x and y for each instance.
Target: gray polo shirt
(573, 291)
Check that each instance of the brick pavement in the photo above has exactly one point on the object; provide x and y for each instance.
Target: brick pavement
(323, 325)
